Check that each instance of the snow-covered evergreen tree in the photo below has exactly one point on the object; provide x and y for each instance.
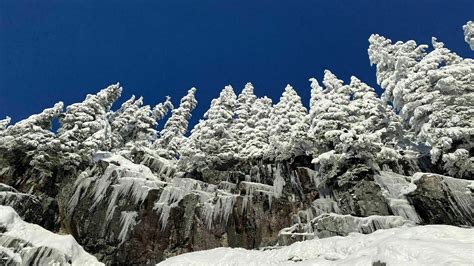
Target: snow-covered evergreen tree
(32, 138)
(211, 141)
(469, 33)
(255, 135)
(123, 121)
(434, 97)
(85, 126)
(144, 132)
(329, 114)
(288, 126)
(243, 112)
(172, 136)
(4, 123)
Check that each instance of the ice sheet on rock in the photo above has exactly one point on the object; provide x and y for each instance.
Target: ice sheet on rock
(40, 237)
(175, 191)
(122, 179)
(278, 183)
(221, 209)
(419, 245)
(394, 187)
(325, 204)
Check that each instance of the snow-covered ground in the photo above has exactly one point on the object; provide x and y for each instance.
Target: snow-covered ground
(420, 245)
(39, 237)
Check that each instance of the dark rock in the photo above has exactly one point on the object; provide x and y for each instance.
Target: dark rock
(443, 200)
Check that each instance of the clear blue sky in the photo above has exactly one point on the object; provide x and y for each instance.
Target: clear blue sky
(61, 50)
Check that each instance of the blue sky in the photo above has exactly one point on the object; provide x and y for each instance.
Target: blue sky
(61, 50)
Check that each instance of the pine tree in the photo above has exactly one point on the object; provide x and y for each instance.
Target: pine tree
(172, 135)
(123, 122)
(211, 140)
(243, 112)
(329, 115)
(469, 33)
(4, 123)
(144, 132)
(85, 126)
(434, 98)
(288, 126)
(255, 135)
(32, 140)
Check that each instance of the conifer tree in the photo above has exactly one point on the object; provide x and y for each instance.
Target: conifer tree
(255, 134)
(85, 126)
(288, 126)
(211, 141)
(172, 135)
(434, 99)
(469, 34)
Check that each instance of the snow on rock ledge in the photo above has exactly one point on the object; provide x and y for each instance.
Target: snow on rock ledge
(420, 245)
(26, 243)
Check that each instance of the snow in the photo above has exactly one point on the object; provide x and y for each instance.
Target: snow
(420, 245)
(37, 236)
(469, 33)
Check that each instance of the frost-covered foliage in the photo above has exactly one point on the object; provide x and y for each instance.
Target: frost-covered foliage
(433, 93)
(85, 126)
(144, 122)
(469, 33)
(4, 123)
(172, 136)
(32, 140)
(255, 137)
(211, 141)
(288, 126)
(243, 112)
(350, 121)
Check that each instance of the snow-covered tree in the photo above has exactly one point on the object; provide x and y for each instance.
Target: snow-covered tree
(434, 98)
(32, 140)
(4, 123)
(144, 131)
(211, 141)
(243, 112)
(172, 136)
(469, 33)
(85, 126)
(255, 135)
(123, 121)
(288, 126)
(329, 114)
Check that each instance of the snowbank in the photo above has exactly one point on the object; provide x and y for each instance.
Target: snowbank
(40, 237)
(420, 245)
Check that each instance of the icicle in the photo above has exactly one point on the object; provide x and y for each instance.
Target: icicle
(127, 221)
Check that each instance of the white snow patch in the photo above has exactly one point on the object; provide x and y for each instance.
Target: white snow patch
(38, 236)
(420, 245)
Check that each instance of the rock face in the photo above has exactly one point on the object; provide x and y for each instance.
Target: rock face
(141, 211)
(442, 200)
(41, 210)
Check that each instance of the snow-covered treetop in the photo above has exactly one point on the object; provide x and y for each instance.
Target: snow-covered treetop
(4, 123)
(433, 93)
(42, 120)
(172, 135)
(469, 33)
